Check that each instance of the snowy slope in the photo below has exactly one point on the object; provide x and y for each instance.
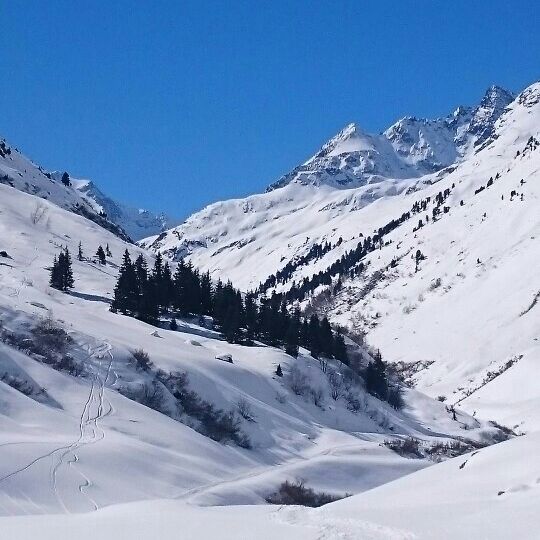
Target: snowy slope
(72, 444)
(137, 222)
(467, 497)
(472, 325)
(81, 196)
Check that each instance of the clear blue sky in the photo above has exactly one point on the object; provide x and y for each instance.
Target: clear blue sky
(171, 105)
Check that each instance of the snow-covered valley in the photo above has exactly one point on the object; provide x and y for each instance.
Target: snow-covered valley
(91, 444)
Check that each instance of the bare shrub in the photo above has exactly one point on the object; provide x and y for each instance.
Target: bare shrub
(323, 363)
(48, 339)
(218, 424)
(298, 381)
(38, 213)
(395, 397)
(296, 493)
(435, 284)
(317, 396)
(244, 410)
(335, 381)
(409, 447)
(409, 308)
(281, 398)
(353, 403)
(141, 360)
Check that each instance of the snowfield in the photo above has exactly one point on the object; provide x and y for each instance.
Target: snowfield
(467, 497)
(87, 452)
(470, 310)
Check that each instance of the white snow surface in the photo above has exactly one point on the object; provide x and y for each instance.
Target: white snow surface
(80, 460)
(81, 196)
(473, 306)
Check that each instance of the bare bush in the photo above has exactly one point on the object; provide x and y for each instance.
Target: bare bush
(335, 381)
(395, 397)
(317, 396)
(298, 381)
(38, 213)
(435, 284)
(218, 424)
(141, 359)
(281, 398)
(409, 447)
(48, 339)
(296, 493)
(353, 403)
(244, 410)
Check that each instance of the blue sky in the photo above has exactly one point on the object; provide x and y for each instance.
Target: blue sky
(171, 105)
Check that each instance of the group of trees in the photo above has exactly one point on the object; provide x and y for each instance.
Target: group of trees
(61, 276)
(148, 294)
(316, 251)
(348, 265)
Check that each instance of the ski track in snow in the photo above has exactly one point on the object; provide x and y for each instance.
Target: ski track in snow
(96, 407)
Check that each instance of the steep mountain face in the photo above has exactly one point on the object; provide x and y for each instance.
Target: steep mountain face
(138, 223)
(83, 425)
(410, 148)
(80, 196)
(474, 222)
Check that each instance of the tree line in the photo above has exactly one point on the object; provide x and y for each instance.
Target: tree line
(150, 294)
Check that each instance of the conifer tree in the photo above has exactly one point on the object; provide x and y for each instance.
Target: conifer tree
(279, 371)
(80, 255)
(101, 255)
(108, 251)
(61, 273)
(126, 291)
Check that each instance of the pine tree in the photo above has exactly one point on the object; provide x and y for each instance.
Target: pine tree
(55, 280)
(292, 335)
(173, 325)
(108, 251)
(314, 344)
(251, 313)
(339, 348)
(206, 294)
(67, 272)
(61, 273)
(101, 255)
(65, 179)
(279, 371)
(80, 255)
(126, 292)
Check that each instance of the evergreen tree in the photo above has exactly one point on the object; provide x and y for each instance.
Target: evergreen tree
(339, 348)
(325, 337)
(67, 272)
(292, 336)
(279, 371)
(108, 251)
(206, 294)
(126, 292)
(101, 255)
(251, 315)
(375, 377)
(80, 255)
(173, 325)
(55, 280)
(65, 179)
(61, 277)
(314, 344)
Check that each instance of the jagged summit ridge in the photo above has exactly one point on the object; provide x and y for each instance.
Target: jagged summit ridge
(410, 148)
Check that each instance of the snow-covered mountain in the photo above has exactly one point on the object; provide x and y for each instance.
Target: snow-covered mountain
(462, 316)
(85, 427)
(410, 148)
(79, 196)
(137, 222)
